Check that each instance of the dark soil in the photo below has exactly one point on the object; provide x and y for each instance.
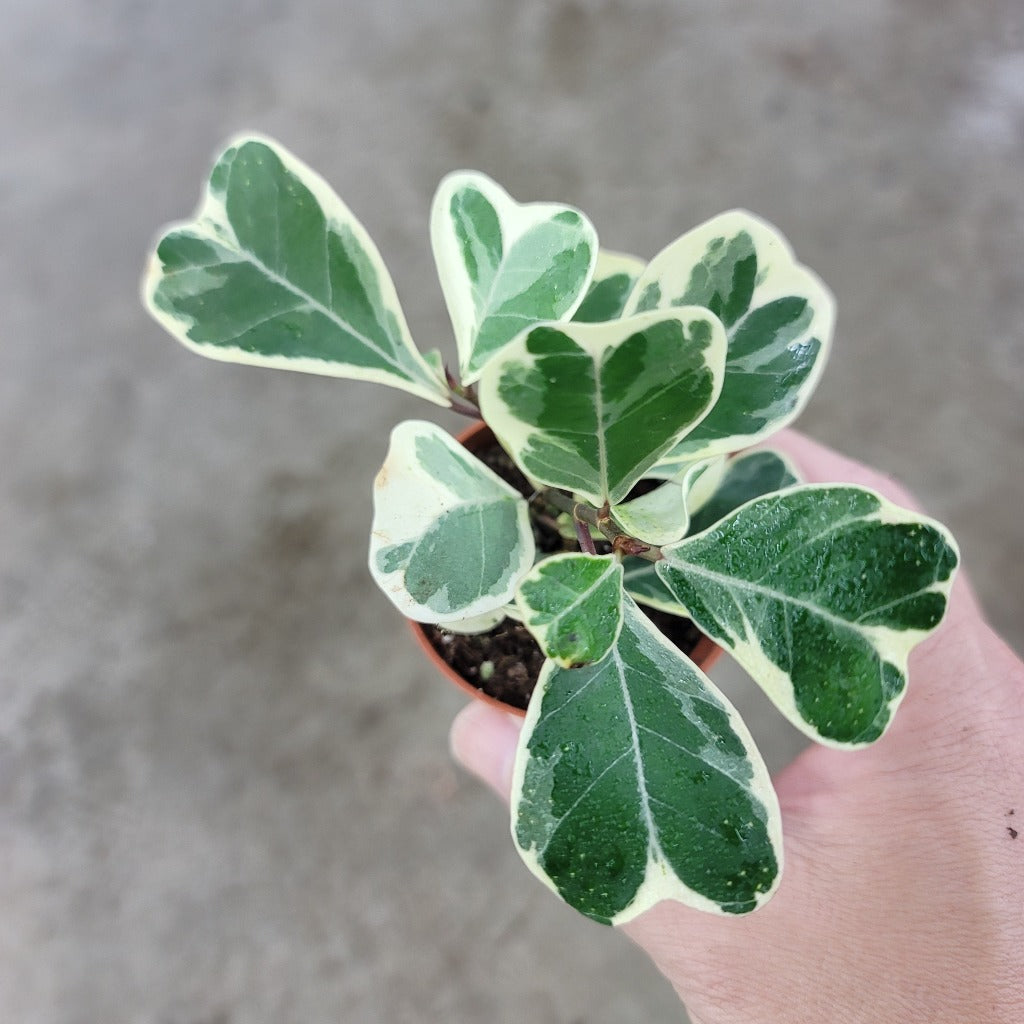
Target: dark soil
(545, 530)
(508, 653)
(505, 662)
(514, 660)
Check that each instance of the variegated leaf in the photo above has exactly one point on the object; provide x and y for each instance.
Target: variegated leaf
(746, 477)
(657, 517)
(590, 407)
(777, 313)
(668, 799)
(662, 516)
(716, 487)
(275, 271)
(451, 540)
(614, 278)
(572, 604)
(504, 265)
(819, 592)
(701, 480)
(642, 583)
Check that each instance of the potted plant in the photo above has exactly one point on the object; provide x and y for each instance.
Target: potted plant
(625, 396)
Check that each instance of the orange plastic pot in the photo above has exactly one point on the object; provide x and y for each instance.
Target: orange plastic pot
(477, 438)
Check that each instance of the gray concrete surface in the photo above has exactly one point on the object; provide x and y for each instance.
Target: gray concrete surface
(225, 795)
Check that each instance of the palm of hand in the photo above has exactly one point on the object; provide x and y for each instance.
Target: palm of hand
(898, 901)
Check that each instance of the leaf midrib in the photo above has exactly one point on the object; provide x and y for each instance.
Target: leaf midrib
(470, 506)
(734, 583)
(653, 846)
(307, 299)
(580, 597)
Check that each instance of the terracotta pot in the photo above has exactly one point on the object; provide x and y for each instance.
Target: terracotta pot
(474, 439)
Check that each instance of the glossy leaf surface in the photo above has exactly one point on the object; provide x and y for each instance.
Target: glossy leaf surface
(635, 781)
(504, 265)
(777, 313)
(644, 585)
(662, 515)
(572, 604)
(732, 483)
(613, 281)
(451, 540)
(820, 592)
(746, 477)
(478, 623)
(276, 271)
(657, 517)
(590, 407)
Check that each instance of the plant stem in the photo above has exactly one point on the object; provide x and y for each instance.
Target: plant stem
(464, 410)
(583, 538)
(586, 515)
(463, 396)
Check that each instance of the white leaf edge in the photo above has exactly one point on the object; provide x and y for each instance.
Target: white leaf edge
(611, 262)
(893, 645)
(727, 464)
(210, 221)
(701, 480)
(594, 339)
(667, 604)
(539, 631)
(779, 275)
(515, 220)
(662, 516)
(658, 517)
(660, 882)
(478, 623)
(486, 622)
(408, 512)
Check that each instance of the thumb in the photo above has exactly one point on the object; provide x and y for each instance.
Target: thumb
(483, 740)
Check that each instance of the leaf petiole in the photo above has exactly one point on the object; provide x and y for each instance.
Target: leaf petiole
(463, 396)
(585, 515)
(583, 536)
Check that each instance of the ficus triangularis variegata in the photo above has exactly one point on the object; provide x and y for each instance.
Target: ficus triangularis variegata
(635, 779)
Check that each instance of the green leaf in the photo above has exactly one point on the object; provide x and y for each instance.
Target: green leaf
(777, 313)
(504, 265)
(275, 271)
(819, 592)
(701, 480)
(590, 407)
(642, 582)
(661, 516)
(614, 278)
(657, 517)
(572, 604)
(478, 623)
(668, 799)
(714, 489)
(746, 477)
(451, 540)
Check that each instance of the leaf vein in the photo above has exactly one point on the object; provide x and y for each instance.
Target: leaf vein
(560, 821)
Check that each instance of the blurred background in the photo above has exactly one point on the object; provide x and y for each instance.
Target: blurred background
(225, 791)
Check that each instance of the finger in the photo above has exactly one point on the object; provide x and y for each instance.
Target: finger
(483, 740)
(820, 464)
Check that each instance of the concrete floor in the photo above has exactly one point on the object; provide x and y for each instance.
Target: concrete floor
(225, 794)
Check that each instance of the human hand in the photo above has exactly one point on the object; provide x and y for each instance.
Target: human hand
(903, 892)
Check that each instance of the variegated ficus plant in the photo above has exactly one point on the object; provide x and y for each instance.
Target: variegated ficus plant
(635, 779)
